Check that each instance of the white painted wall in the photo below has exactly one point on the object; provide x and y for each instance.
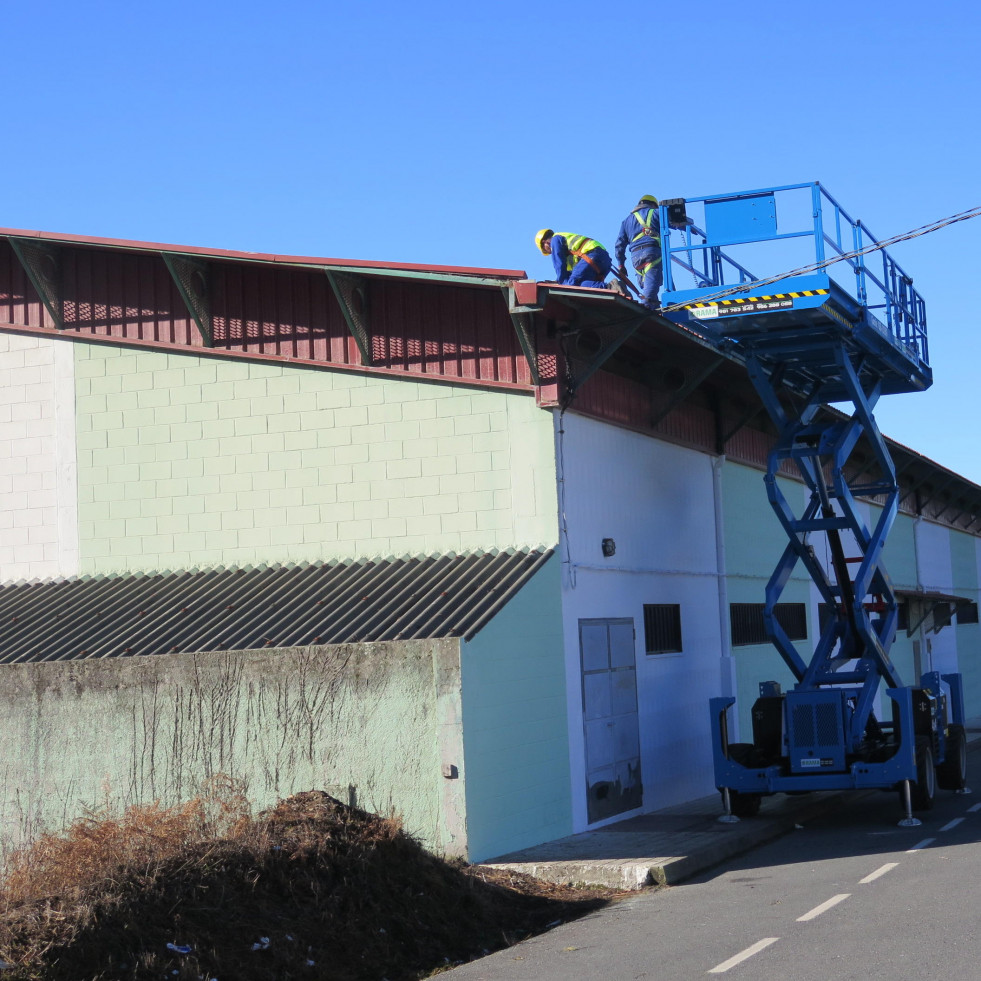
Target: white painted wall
(655, 500)
(38, 486)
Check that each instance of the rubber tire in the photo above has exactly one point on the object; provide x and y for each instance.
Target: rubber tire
(922, 792)
(744, 804)
(952, 773)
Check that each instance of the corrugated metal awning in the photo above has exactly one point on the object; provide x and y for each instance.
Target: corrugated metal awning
(266, 606)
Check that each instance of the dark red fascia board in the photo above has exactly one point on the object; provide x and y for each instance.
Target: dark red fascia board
(120, 243)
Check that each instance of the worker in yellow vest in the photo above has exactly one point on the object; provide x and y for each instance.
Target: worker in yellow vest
(641, 231)
(578, 260)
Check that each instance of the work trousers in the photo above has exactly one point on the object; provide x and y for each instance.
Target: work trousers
(591, 270)
(650, 275)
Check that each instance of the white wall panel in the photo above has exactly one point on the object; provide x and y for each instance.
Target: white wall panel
(38, 486)
(656, 501)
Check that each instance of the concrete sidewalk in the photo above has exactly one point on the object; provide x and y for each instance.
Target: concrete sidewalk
(668, 846)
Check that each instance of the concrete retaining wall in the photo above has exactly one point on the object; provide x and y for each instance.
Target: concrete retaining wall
(371, 723)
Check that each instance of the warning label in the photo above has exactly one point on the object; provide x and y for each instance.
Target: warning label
(737, 308)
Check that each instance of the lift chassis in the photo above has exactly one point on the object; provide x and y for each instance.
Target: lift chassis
(812, 343)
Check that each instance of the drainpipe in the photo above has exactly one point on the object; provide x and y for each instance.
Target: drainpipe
(922, 653)
(727, 665)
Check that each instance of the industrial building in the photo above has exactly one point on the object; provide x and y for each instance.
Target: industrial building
(447, 542)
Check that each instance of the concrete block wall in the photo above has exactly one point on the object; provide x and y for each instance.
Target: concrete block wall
(38, 530)
(186, 461)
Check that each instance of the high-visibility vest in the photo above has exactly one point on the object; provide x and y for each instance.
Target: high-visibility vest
(645, 227)
(578, 246)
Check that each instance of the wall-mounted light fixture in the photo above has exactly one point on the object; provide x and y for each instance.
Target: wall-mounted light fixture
(609, 547)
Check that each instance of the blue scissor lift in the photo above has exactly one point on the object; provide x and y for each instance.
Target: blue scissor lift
(807, 340)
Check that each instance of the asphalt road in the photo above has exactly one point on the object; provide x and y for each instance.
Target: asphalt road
(849, 896)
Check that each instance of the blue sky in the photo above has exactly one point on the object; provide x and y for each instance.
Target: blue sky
(447, 133)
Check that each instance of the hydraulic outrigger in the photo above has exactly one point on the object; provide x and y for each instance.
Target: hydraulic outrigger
(806, 341)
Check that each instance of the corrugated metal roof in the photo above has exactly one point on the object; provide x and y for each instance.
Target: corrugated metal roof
(407, 598)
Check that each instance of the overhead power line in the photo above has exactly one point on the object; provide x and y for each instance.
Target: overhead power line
(843, 257)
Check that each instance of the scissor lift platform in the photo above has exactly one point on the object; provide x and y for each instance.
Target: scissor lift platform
(808, 333)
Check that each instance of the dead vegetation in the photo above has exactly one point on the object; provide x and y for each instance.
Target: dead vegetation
(310, 889)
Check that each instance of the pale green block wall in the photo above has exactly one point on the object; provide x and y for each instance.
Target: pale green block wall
(515, 724)
(754, 541)
(899, 553)
(964, 566)
(899, 559)
(137, 730)
(187, 461)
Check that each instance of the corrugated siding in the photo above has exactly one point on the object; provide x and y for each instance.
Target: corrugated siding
(19, 302)
(442, 329)
(273, 309)
(125, 295)
(247, 609)
(279, 311)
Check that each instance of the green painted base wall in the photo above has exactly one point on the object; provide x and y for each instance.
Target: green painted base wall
(516, 738)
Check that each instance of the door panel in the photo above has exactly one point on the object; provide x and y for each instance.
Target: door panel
(610, 726)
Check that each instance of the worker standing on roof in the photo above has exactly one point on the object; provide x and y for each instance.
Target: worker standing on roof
(641, 230)
(578, 261)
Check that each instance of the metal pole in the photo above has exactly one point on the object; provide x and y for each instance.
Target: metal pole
(909, 821)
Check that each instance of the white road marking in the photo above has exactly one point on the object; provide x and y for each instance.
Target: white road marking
(952, 824)
(888, 867)
(921, 844)
(974, 809)
(744, 955)
(824, 907)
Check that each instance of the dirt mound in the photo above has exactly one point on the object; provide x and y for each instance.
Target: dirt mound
(309, 889)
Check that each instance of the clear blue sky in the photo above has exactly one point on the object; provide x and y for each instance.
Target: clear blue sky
(448, 132)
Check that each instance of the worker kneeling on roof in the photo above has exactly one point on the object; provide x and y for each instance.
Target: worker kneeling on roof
(641, 229)
(578, 261)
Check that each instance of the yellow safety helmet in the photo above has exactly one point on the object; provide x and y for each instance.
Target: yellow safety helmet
(647, 199)
(540, 237)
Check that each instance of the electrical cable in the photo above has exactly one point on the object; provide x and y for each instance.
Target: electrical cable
(843, 257)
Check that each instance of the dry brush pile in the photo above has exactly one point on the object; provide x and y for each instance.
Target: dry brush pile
(310, 889)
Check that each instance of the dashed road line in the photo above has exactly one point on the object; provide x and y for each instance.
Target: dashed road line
(824, 907)
(974, 809)
(920, 844)
(744, 955)
(952, 824)
(882, 870)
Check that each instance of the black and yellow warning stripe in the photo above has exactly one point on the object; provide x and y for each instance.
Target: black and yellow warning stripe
(755, 299)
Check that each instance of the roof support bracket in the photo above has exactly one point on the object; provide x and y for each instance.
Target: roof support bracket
(42, 263)
(352, 295)
(591, 348)
(689, 386)
(523, 327)
(191, 276)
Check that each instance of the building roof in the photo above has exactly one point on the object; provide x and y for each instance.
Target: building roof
(409, 598)
(592, 351)
(361, 265)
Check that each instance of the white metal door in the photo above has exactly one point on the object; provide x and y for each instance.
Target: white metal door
(609, 704)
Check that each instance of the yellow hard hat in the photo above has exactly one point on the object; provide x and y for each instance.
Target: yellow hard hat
(648, 199)
(540, 237)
